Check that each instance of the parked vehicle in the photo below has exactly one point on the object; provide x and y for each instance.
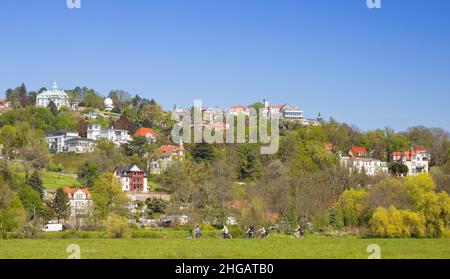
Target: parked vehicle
(53, 228)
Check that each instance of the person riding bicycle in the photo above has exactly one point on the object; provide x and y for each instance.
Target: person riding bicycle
(263, 233)
(226, 232)
(298, 232)
(197, 232)
(250, 232)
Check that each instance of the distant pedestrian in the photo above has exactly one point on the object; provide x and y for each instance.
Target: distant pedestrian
(197, 232)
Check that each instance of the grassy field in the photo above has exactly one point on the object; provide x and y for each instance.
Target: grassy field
(53, 181)
(276, 247)
(50, 180)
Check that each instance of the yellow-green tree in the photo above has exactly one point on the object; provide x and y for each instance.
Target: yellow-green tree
(393, 223)
(108, 197)
(354, 207)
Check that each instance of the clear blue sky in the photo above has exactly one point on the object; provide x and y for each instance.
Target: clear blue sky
(370, 68)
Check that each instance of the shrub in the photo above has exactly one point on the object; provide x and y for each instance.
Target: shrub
(118, 226)
(55, 167)
(397, 223)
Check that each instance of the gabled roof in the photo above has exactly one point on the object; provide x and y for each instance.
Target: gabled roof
(240, 107)
(357, 150)
(168, 150)
(122, 171)
(71, 191)
(142, 132)
(419, 148)
(407, 154)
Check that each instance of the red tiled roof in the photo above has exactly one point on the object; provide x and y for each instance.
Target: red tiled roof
(71, 191)
(357, 150)
(238, 107)
(419, 148)
(407, 154)
(168, 150)
(144, 132)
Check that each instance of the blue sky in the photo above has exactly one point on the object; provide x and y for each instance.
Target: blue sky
(368, 67)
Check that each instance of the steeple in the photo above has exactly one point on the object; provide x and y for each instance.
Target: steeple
(54, 86)
(319, 117)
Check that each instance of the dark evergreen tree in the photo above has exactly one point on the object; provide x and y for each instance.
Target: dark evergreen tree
(59, 206)
(202, 152)
(52, 107)
(35, 182)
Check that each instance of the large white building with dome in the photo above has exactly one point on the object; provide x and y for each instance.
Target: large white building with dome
(59, 97)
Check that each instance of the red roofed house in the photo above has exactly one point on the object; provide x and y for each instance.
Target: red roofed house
(166, 155)
(359, 152)
(417, 160)
(360, 161)
(148, 133)
(79, 200)
(236, 110)
(5, 105)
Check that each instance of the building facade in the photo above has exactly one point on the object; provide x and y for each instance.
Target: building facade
(148, 133)
(369, 166)
(79, 145)
(55, 95)
(166, 155)
(80, 201)
(417, 160)
(5, 106)
(359, 161)
(132, 178)
(57, 140)
(291, 112)
(95, 132)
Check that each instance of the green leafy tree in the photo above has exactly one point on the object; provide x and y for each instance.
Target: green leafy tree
(32, 202)
(92, 99)
(398, 169)
(108, 197)
(88, 173)
(12, 216)
(139, 146)
(249, 163)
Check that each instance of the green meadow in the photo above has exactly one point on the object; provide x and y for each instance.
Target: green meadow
(276, 247)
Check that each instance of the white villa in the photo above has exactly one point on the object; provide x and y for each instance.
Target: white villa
(166, 155)
(79, 200)
(80, 145)
(132, 178)
(417, 160)
(370, 166)
(59, 97)
(57, 140)
(95, 132)
(109, 104)
(360, 161)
